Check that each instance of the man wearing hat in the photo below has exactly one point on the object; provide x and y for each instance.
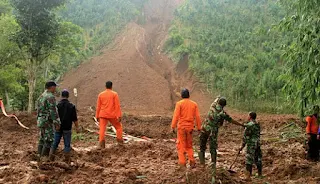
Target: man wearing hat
(68, 116)
(47, 119)
(210, 128)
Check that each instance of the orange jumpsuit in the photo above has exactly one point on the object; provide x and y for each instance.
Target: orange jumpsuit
(185, 113)
(108, 110)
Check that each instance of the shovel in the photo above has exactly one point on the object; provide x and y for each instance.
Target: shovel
(230, 169)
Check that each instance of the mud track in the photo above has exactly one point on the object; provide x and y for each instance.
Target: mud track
(155, 161)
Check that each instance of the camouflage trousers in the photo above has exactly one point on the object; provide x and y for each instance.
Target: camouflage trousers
(212, 136)
(254, 154)
(46, 138)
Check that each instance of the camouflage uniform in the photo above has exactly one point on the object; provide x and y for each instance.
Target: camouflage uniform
(251, 138)
(210, 128)
(47, 119)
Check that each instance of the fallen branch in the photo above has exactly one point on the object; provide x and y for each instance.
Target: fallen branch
(11, 115)
(125, 136)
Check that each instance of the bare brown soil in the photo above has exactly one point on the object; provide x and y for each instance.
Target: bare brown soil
(146, 79)
(150, 162)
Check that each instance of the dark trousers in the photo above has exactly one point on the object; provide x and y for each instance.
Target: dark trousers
(66, 134)
(313, 151)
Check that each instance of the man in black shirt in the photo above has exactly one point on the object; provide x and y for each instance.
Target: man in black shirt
(68, 115)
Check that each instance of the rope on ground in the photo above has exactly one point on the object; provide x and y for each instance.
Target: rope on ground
(11, 115)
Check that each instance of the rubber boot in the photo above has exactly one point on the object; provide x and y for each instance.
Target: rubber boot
(248, 172)
(102, 144)
(67, 158)
(259, 171)
(202, 158)
(44, 157)
(45, 152)
(40, 148)
(213, 172)
(52, 154)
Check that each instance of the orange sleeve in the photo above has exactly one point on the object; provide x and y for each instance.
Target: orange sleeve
(198, 120)
(309, 122)
(117, 106)
(98, 107)
(176, 116)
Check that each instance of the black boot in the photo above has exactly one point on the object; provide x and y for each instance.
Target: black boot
(67, 157)
(202, 157)
(52, 154)
(248, 172)
(259, 167)
(45, 152)
(40, 148)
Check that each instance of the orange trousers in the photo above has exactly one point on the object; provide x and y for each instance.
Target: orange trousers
(103, 124)
(184, 145)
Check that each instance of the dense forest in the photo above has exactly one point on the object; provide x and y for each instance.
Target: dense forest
(40, 40)
(238, 49)
(261, 55)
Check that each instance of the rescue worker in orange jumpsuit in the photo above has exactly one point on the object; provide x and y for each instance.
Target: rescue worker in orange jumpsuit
(108, 110)
(186, 112)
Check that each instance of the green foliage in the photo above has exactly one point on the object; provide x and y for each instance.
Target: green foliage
(302, 54)
(233, 49)
(44, 39)
(100, 19)
(39, 27)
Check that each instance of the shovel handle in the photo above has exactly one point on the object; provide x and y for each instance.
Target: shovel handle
(235, 159)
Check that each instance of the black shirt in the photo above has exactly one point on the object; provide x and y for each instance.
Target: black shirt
(67, 113)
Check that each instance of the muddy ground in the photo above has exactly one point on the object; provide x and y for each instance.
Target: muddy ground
(154, 161)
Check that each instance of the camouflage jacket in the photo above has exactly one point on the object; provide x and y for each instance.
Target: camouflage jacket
(252, 133)
(216, 117)
(47, 113)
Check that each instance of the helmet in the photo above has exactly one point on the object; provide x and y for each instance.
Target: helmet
(222, 101)
(185, 93)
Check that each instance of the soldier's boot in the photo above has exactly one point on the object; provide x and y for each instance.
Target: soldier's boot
(67, 158)
(40, 148)
(248, 172)
(202, 158)
(102, 144)
(213, 172)
(259, 171)
(44, 156)
(52, 154)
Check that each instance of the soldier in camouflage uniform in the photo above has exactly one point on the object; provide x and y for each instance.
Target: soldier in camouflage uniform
(251, 138)
(210, 128)
(47, 119)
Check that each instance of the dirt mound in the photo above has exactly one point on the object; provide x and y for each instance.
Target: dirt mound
(144, 77)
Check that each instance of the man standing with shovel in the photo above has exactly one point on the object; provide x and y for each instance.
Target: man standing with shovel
(251, 139)
(210, 128)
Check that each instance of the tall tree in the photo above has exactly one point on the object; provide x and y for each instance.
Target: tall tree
(302, 55)
(36, 38)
